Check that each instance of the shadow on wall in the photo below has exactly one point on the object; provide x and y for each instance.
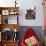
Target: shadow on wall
(37, 29)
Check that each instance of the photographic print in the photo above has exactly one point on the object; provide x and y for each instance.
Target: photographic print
(30, 14)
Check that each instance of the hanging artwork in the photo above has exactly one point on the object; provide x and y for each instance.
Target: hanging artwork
(30, 14)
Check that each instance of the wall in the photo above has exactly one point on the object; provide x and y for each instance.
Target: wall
(24, 5)
(39, 14)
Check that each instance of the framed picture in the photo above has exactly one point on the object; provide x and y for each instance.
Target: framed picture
(30, 14)
(5, 12)
(13, 12)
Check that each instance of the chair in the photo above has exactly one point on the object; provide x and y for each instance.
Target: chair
(29, 33)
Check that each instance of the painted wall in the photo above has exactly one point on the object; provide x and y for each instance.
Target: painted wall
(24, 5)
(39, 14)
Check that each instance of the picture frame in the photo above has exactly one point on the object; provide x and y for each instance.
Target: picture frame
(5, 12)
(30, 14)
(13, 12)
